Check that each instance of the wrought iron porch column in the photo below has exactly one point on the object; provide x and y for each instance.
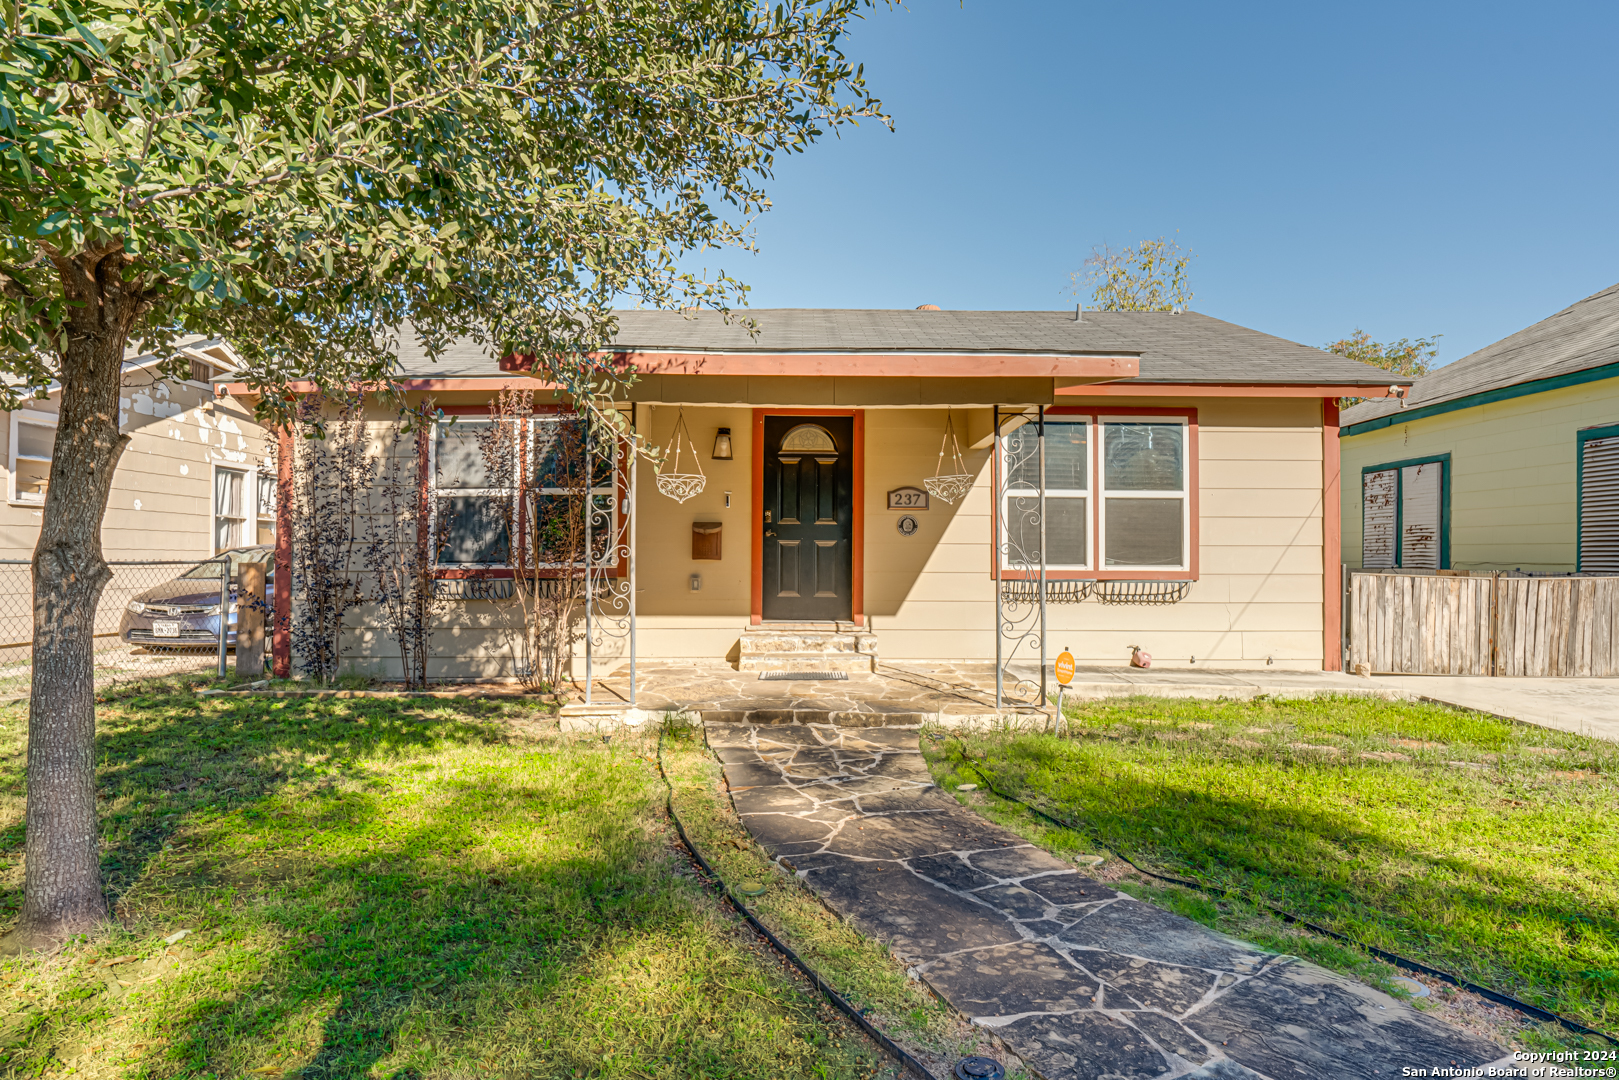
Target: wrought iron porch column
(1041, 438)
(996, 525)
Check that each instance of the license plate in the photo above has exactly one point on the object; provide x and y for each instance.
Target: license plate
(165, 629)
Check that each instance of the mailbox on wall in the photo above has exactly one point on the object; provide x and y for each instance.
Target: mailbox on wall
(705, 540)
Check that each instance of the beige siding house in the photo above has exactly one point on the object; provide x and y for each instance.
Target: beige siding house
(193, 479)
(1187, 506)
(1507, 459)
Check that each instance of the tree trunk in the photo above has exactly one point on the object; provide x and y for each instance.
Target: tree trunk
(62, 889)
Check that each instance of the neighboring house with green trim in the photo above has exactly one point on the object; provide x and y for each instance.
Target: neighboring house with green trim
(1507, 459)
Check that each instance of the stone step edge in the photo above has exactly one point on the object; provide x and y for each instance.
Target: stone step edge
(797, 643)
(847, 718)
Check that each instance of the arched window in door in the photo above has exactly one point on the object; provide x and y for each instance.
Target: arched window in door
(808, 439)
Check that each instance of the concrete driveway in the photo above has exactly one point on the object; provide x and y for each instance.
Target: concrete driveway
(1583, 706)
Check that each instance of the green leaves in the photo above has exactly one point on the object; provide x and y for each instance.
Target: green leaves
(1403, 357)
(1149, 276)
(315, 172)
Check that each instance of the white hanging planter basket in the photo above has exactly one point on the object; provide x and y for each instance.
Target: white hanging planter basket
(678, 485)
(951, 487)
(681, 486)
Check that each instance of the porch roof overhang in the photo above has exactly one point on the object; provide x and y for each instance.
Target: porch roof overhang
(1074, 368)
(1067, 389)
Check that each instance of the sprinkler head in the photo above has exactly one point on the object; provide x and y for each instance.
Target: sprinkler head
(979, 1068)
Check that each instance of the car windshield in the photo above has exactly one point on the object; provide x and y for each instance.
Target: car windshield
(209, 571)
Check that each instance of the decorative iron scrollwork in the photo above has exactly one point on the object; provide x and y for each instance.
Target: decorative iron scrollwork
(1141, 592)
(1020, 612)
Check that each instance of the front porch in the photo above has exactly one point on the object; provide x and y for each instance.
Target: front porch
(956, 694)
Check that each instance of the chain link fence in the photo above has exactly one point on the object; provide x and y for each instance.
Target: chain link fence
(156, 619)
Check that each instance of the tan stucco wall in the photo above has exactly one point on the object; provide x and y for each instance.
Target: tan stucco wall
(161, 503)
(930, 596)
(1513, 479)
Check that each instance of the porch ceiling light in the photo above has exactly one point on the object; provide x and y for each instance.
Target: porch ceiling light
(722, 444)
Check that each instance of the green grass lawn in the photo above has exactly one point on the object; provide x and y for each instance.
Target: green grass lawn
(1479, 846)
(394, 888)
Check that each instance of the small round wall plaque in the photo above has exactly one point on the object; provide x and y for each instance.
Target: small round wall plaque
(907, 525)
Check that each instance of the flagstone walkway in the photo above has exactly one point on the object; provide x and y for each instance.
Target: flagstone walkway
(1083, 982)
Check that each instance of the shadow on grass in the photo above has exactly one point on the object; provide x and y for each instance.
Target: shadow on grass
(383, 887)
(1541, 930)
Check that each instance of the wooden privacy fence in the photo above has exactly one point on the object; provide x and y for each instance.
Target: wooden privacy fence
(1482, 623)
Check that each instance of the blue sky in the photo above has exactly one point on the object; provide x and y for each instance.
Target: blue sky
(1411, 169)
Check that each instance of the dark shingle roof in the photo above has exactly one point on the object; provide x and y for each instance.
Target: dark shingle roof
(1581, 336)
(1184, 348)
(464, 358)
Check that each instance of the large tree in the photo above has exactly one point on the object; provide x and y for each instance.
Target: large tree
(1404, 357)
(305, 177)
(1149, 276)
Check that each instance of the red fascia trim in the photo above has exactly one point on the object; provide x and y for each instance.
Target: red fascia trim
(909, 365)
(1219, 390)
(303, 386)
(857, 528)
(1193, 509)
(1331, 540)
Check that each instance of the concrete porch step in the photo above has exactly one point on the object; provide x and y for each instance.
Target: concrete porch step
(807, 661)
(807, 647)
(756, 643)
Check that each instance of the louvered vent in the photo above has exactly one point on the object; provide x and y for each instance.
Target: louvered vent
(1377, 520)
(1419, 516)
(1599, 507)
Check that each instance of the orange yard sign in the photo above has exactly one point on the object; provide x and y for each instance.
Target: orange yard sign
(1065, 667)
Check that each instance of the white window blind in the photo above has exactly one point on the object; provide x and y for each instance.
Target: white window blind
(1599, 506)
(1419, 516)
(1377, 519)
(1067, 496)
(32, 442)
(230, 516)
(264, 501)
(1143, 474)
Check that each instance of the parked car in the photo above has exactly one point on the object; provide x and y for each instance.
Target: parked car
(184, 613)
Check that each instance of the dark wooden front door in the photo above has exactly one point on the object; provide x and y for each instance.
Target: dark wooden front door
(808, 518)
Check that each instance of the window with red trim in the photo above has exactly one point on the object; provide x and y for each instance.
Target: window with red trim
(491, 479)
(1118, 495)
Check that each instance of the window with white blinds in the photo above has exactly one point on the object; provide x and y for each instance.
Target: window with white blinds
(1599, 501)
(1419, 516)
(230, 512)
(1403, 515)
(1377, 518)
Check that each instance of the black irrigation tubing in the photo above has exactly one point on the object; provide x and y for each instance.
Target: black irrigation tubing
(838, 1001)
(1396, 959)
